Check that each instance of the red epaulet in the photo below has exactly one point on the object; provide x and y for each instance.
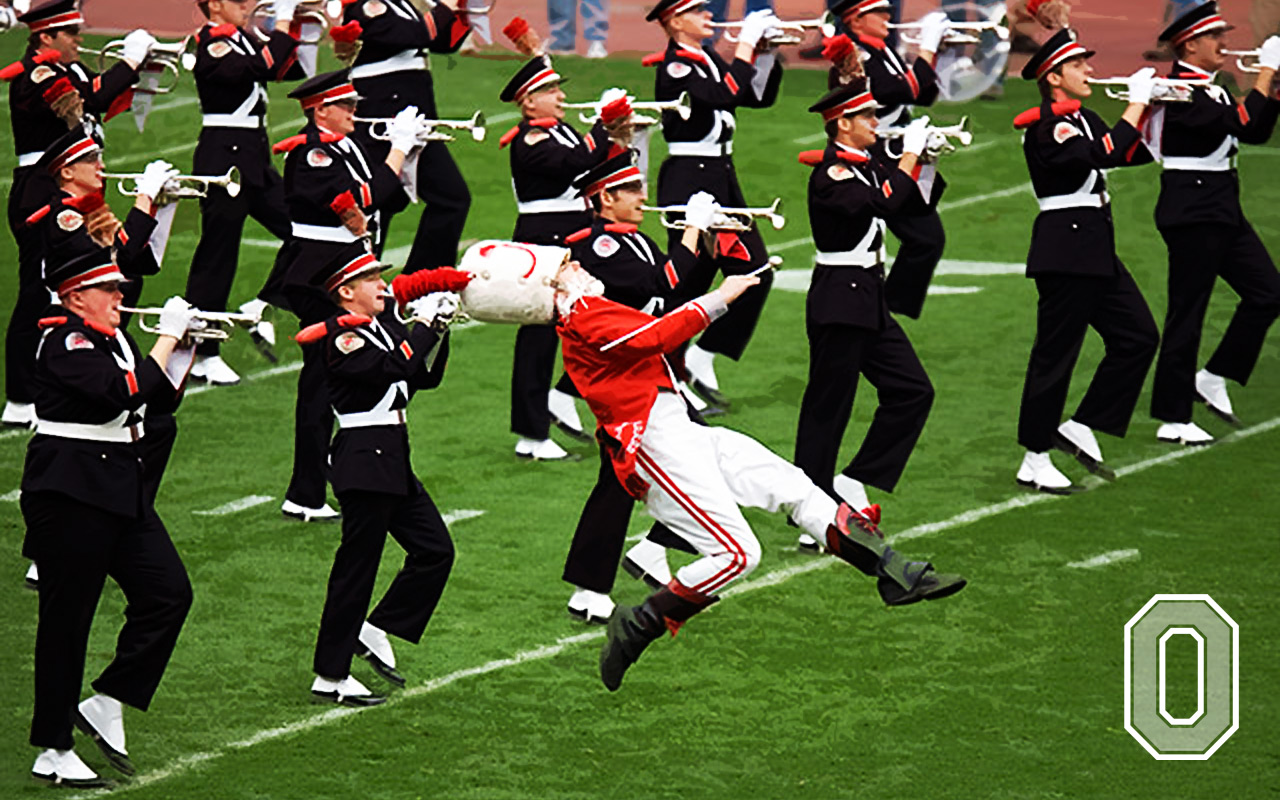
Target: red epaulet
(654, 59)
(312, 333)
(105, 330)
(544, 122)
(1032, 115)
(508, 136)
(51, 322)
(852, 158)
(287, 145)
(39, 215)
(692, 56)
(12, 71)
(353, 320)
(871, 41)
(46, 55)
(577, 236)
(620, 227)
(811, 158)
(87, 203)
(223, 30)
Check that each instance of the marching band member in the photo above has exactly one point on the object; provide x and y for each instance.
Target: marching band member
(50, 91)
(1080, 280)
(335, 192)
(89, 514)
(694, 478)
(392, 72)
(852, 197)
(1208, 237)
(371, 367)
(231, 73)
(701, 156)
(897, 87)
(546, 155)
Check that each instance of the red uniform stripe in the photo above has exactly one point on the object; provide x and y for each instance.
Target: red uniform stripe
(670, 271)
(915, 84)
(132, 380)
(1244, 114)
(731, 83)
(406, 349)
(1108, 144)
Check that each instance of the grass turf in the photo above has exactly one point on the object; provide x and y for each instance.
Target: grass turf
(804, 688)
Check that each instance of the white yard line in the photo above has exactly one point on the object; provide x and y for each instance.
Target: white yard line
(1104, 559)
(191, 145)
(186, 763)
(11, 497)
(242, 504)
(451, 517)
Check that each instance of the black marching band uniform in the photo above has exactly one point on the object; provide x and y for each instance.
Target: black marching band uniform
(371, 367)
(1080, 280)
(230, 71)
(852, 196)
(1208, 237)
(37, 82)
(896, 88)
(700, 158)
(546, 156)
(89, 513)
(392, 72)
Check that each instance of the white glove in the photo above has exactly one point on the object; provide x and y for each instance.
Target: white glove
(175, 318)
(916, 136)
(1141, 84)
(434, 308)
(137, 46)
(700, 210)
(1269, 53)
(754, 26)
(609, 95)
(8, 19)
(403, 130)
(284, 10)
(933, 27)
(154, 178)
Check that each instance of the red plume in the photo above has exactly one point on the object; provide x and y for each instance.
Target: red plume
(525, 38)
(423, 282)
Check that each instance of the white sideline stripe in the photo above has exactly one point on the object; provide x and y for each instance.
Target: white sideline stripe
(953, 290)
(182, 148)
(235, 505)
(15, 433)
(1104, 559)
(451, 517)
(180, 102)
(11, 497)
(505, 116)
(282, 369)
(797, 280)
(547, 651)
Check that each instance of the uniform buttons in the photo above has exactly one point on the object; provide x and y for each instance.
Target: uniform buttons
(853, 286)
(104, 456)
(1199, 182)
(1074, 226)
(377, 452)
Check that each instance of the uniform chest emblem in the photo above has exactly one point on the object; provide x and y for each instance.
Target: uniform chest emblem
(375, 8)
(78, 341)
(605, 246)
(70, 220)
(219, 49)
(1064, 131)
(319, 158)
(42, 73)
(536, 135)
(678, 69)
(839, 172)
(349, 342)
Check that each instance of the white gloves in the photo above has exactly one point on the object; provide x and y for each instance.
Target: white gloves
(700, 210)
(1141, 84)
(137, 46)
(284, 10)
(754, 26)
(435, 309)
(154, 178)
(915, 138)
(175, 318)
(933, 27)
(8, 19)
(403, 130)
(1269, 53)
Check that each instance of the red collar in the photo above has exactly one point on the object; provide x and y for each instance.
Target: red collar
(871, 41)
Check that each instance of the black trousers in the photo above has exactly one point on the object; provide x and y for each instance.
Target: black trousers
(1069, 305)
(77, 546)
(922, 240)
(838, 354)
(1198, 255)
(213, 266)
(405, 609)
(312, 430)
(32, 187)
(678, 179)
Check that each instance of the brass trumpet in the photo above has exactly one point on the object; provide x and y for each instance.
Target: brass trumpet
(320, 12)
(171, 58)
(1167, 90)
(939, 141)
(181, 187)
(786, 32)
(1247, 60)
(961, 33)
(726, 219)
(681, 105)
(379, 128)
(213, 325)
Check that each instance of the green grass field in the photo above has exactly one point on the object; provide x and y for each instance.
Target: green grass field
(801, 684)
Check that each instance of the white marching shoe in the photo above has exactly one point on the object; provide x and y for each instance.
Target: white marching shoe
(850, 491)
(213, 370)
(702, 375)
(590, 606)
(101, 718)
(324, 513)
(544, 450)
(564, 413)
(374, 647)
(1187, 433)
(1078, 441)
(32, 580)
(1039, 473)
(263, 334)
(18, 415)
(346, 692)
(64, 768)
(647, 561)
(1212, 391)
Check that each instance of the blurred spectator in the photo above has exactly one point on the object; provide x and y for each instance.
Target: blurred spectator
(1264, 17)
(563, 16)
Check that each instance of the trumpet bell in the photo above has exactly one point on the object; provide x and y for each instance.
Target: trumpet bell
(974, 60)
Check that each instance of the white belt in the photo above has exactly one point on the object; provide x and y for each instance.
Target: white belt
(704, 149)
(848, 258)
(367, 419)
(551, 205)
(29, 159)
(1194, 164)
(323, 233)
(94, 433)
(406, 60)
(231, 121)
(1077, 200)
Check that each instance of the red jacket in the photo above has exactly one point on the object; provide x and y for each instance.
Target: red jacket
(614, 355)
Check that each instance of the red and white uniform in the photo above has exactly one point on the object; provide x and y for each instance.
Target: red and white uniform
(691, 477)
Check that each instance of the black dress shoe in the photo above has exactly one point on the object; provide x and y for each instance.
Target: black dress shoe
(117, 759)
(354, 701)
(1087, 461)
(714, 397)
(384, 670)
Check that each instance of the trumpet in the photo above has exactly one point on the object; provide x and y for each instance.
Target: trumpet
(171, 58)
(207, 325)
(1167, 90)
(786, 32)
(181, 187)
(320, 12)
(961, 33)
(939, 141)
(380, 128)
(680, 105)
(726, 219)
(1247, 60)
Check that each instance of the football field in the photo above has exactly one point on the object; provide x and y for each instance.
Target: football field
(801, 684)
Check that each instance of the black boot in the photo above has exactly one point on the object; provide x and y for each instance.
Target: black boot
(857, 540)
(632, 628)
